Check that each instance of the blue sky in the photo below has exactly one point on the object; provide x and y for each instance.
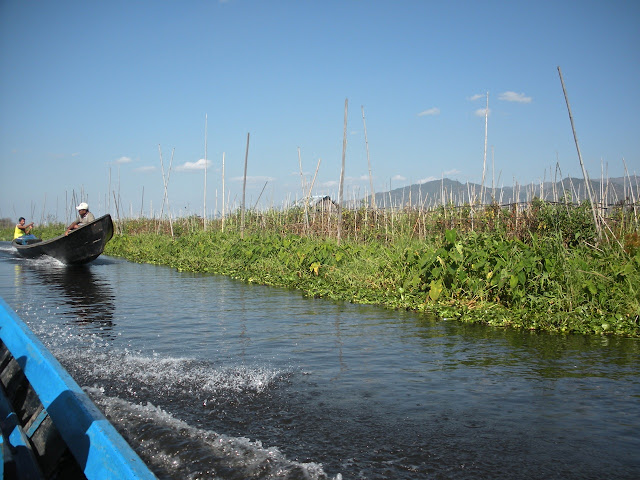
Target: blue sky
(90, 90)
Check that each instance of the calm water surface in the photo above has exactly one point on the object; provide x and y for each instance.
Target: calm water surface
(210, 378)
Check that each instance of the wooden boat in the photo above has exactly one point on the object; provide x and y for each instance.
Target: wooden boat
(49, 427)
(82, 245)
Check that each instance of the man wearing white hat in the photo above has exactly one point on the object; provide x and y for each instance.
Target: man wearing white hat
(84, 217)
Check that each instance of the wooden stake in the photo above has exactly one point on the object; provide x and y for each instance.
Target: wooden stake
(165, 181)
(204, 208)
(261, 192)
(344, 151)
(301, 174)
(484, 161)
(306, 202)
(223, 205)
(142, 203)
(366, 142)
(633, 196)
(584, 172)
(244, 189)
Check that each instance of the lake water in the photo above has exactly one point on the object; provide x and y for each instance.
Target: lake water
(208, 377)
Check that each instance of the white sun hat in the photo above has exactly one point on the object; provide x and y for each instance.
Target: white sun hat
(82, 206)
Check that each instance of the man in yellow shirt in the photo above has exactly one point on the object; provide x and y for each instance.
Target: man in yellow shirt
(23, 231)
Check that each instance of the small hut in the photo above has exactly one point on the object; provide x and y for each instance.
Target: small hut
(319, 203)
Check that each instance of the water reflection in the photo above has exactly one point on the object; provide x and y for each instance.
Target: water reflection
(90, 298)
(546, 355)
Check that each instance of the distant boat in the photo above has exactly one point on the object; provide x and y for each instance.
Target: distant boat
(49, 428)
(81, 245)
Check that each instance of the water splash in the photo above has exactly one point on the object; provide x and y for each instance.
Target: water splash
(170, 374)
(175, 449)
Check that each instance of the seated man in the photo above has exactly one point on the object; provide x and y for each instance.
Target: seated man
(22, 232)
(84, 217)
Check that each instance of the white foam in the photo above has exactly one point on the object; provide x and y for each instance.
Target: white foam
(44, 261)
(174, 446)
(174, 374)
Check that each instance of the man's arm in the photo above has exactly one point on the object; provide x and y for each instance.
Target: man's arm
(25, 228)
(73, 226)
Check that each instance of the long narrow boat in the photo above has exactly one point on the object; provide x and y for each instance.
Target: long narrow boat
(50, 429)
(81, 245)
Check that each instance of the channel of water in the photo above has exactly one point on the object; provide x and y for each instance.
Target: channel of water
(208, 377)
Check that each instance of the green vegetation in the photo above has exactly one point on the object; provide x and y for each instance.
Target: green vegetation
(544, 268)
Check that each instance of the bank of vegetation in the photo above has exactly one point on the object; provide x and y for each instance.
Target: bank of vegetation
(547, 267)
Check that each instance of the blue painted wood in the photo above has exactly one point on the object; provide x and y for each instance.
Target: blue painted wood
(13, 434)
(99, 449)
(3, 456)
(36, 423)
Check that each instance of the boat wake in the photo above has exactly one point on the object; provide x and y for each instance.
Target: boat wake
(45, 262)
(189, 378)
(174, 449)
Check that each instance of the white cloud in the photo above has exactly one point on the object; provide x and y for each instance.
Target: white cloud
(514, 97)
(146, 169)
(122, 160)
(194, 166)
(481, 111)
(453, 171)
(427, 179)
(431, 111)
(478, 96)
(398, 178)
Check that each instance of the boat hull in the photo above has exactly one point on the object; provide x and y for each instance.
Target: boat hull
(80, 246)
(49, 428)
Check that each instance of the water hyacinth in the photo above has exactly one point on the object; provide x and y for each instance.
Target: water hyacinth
(544, 267)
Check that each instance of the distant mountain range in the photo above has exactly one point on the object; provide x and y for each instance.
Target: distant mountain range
(429, 194)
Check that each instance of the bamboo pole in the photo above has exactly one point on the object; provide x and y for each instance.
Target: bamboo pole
(584, 172)
(633, 197)
(166, 192)
(109, 196)
(204, 207)
(165, 181)
(366, 142)
(142, 203)
(306, 210)
(344, 151)
(493, 174)
(261, 192)
(484, 161)
(44, 205)
(244, 188)
(118, 224)
(306, 202)
(301, 174)
(223, 205)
